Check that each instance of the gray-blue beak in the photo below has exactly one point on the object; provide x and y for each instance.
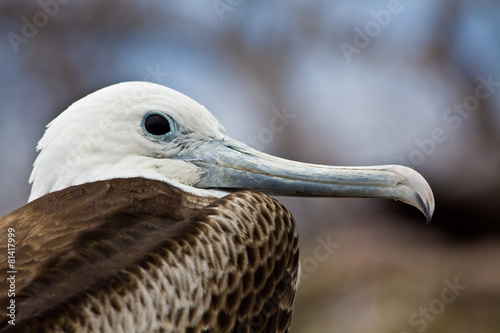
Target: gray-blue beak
(230, 165)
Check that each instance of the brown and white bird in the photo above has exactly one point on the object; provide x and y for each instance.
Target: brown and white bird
(145, 216)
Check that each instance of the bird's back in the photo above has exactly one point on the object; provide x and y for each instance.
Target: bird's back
(101, 257)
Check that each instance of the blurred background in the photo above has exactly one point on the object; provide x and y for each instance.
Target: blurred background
(332, 82)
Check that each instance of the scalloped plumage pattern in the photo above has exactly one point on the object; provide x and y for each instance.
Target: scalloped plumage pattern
(138, 255)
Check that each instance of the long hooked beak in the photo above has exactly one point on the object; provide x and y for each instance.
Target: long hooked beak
(230, 165)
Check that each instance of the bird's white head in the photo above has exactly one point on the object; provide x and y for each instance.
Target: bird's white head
(130, 129)
(140, 129)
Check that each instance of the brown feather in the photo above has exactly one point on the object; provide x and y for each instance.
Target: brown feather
(142, 255)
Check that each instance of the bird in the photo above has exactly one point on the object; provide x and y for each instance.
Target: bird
(145, 216)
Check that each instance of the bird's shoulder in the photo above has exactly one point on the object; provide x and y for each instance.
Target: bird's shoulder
(89, 243)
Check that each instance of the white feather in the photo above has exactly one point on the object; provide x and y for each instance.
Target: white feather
(100, 137)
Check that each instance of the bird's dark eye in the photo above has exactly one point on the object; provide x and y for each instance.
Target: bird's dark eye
(156, 124)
